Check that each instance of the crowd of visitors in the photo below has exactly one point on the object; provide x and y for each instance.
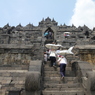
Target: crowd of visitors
(56, 60)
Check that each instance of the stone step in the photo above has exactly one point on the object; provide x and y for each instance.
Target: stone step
(14, 67)
(56, 82)
(3, 92)
(59, 80)
(69, 91)
(57, 73)
(51, 75)
(49, 69)
(12, 78)
(20, 82)
(8, 80)
(19, 86)
(67, 85)
(57, 68)
(54, 85)
(50, 72)
(12, 73)
(48, 65)
(18, 78)
(14, 89)
(63, 89)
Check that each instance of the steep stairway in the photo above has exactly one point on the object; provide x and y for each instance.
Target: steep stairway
(54, 85)
(12, 79)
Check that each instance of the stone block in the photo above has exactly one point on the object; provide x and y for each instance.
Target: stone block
(31, 93)
(91, 81)
(32, 81)
(84, 82)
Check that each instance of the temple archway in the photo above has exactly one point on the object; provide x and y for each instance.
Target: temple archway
(49, 34)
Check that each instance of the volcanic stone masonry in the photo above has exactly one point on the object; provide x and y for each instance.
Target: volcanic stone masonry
(22, 48)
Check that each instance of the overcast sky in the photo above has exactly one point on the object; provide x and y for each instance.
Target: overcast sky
(77, 12)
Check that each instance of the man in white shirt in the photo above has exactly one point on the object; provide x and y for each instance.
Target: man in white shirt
(62, 62)
(53, 58)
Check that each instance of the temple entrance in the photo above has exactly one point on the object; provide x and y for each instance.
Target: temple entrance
(49, 34)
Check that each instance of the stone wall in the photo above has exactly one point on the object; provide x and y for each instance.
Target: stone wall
(86, 53)
(14, 59)
(34, 35)
(19, 55)
(30, 34)
(89, 57)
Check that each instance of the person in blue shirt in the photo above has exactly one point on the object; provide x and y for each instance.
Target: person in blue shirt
(46, 35)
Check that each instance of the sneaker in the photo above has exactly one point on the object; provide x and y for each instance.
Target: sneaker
(62, 77)
(54, 66)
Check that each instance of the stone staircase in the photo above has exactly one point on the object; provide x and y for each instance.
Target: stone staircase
(12, 79)
(54, 85)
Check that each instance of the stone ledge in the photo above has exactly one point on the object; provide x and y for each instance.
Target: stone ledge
(15, 46)
(85, 47)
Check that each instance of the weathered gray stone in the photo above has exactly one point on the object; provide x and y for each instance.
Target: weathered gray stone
(91, 81)
(32, 82)
(20, 45)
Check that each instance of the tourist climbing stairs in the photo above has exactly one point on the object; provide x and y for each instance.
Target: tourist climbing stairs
(54, 85)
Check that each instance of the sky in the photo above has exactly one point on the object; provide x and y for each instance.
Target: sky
(77, 12)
